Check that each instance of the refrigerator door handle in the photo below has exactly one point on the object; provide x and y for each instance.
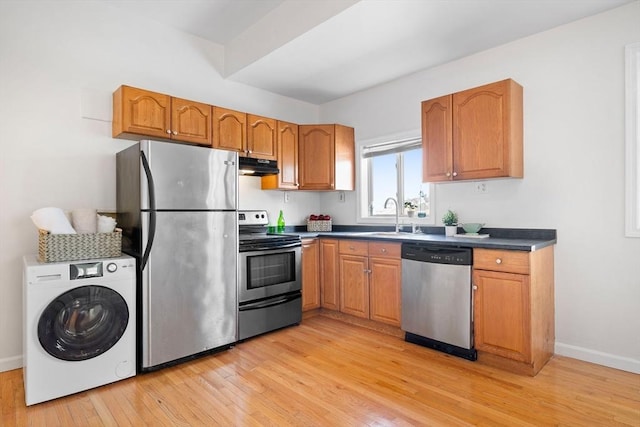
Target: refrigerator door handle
(152, 209)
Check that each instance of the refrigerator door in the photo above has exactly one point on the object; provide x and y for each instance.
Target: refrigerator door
(189, 299)
(187, 177)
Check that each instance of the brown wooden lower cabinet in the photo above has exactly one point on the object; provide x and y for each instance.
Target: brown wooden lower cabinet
(354, 285)
(513, 295)
(385, 283)
(370, 280)
(310, 274)
(329, 281)
(514, 308)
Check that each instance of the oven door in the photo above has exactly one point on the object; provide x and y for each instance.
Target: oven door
(269, 272)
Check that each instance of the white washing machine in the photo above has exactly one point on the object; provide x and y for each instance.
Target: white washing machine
(79, 325)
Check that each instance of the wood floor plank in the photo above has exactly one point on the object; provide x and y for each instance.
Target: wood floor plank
(326, 372)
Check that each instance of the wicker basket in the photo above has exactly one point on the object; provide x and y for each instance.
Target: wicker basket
(71, 247)
(318, 225)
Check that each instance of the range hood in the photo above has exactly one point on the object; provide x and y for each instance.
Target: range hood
(257, 167)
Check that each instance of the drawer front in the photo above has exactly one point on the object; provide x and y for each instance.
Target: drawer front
(501, 260)
(354, 247)
(384, 250)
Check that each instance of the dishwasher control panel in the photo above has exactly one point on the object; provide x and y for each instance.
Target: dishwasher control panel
(437, 254)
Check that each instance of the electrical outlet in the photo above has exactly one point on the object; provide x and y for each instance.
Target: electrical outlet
(482, 188)
(341, 196)
(286, 197)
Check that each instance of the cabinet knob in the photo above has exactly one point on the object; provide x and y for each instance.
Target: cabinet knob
(448, 173)
(351, 248)
(498, 261)
(175, 132)
(475, 288)
(455, 174)
(248, 151)
(383, 250)
(169, 131)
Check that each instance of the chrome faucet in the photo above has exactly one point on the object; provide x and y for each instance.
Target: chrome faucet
(386, 202)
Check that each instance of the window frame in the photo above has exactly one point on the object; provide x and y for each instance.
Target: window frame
(632, 140)
(362, 186)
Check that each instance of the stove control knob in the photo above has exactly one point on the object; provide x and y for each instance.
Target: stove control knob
(112, 267)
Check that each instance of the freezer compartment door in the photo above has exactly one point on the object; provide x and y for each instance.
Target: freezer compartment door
(187, 177)
(189, 285)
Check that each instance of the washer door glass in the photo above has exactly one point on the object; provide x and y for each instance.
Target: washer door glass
(83, 323)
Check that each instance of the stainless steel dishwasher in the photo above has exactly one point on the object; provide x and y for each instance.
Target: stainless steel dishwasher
(437, 306)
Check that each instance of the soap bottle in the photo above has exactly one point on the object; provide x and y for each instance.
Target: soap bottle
(280, 228)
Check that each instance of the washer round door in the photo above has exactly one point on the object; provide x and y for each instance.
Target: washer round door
(83, 323)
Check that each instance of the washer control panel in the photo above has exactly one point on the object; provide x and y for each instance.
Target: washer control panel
(109, 268)
(85, 270)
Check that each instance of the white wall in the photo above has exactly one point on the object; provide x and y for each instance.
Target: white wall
(60, 61)
(295, 211)
(573, 78)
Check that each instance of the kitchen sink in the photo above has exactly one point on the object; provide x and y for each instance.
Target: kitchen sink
(384, 233)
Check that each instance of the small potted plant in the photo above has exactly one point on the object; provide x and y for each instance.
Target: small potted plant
(450, 220)
(410, 207)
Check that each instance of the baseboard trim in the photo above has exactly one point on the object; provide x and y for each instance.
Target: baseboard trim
(10, 363)
(606, 359)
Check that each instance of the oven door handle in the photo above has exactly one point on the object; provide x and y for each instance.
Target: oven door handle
(272, 248)
(270, 303)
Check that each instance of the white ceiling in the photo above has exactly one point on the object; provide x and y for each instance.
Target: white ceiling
(321, 50)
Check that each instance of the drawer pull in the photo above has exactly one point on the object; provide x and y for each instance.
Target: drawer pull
(498, 261)
(383, 250)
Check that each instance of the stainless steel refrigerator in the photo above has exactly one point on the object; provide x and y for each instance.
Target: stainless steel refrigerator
(177, 207)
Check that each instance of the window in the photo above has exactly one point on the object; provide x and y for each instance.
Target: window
(393, 168)
(632, 53)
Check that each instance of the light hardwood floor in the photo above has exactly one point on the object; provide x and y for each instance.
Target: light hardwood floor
(329, 373)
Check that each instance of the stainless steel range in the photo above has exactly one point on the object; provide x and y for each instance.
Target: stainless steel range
(270, 277)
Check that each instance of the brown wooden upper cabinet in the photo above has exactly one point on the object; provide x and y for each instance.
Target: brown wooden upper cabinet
(287, 149)
(248, 134)
(326, 157)
(141, 112)
(229, 129)
(261, 137)
(473, 134)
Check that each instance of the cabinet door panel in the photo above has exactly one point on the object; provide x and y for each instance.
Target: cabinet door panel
(329, 275)
(486, 129)
(317, 157)
(502, 314)
(261, 137)
(229, 129)
(190, 121)
(385, 290)
(354, 289)
(288, 155)
(437, 139)
(145, 112)
(310, 275)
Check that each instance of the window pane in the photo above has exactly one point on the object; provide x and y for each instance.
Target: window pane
(413, 186)
(384, 183)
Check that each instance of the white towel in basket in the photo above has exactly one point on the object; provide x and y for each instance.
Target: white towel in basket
(106, 224)
(53, 220)
(85, 220)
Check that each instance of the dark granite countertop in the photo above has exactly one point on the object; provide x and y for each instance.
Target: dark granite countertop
(519, 239)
